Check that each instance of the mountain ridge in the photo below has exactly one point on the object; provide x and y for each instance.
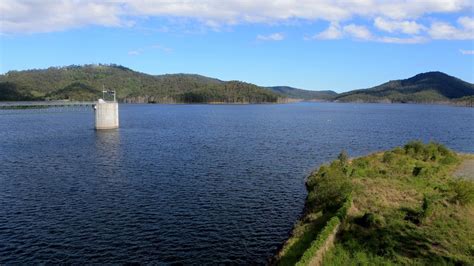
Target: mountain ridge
(296, 93)
(85, 82)
(428, 87)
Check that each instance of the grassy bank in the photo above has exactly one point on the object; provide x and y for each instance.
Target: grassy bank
(407, 208)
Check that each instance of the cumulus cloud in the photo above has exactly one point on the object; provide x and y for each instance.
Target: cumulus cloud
(399, 20)
(271, 37)
(48, 15)
(464, 30)
(235, 11)
(467, 23)
(31, 16)
(331, 33)
(446, 31)
(407, 27)
(358, 32)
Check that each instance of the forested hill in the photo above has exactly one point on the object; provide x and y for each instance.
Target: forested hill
(86, 83)
(427, 87)
(303, 94)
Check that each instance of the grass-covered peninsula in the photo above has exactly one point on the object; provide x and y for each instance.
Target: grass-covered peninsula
(399, 207)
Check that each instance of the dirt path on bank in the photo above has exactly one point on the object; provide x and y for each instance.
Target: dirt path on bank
(466, 169)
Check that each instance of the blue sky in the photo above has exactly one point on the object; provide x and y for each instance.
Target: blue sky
(318, 45)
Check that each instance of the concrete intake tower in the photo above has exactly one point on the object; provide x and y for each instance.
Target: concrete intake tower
(106, 114)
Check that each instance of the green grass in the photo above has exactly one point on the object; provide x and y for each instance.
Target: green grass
(340, 256)
(319, 242)
(304, 232)
(407, 209)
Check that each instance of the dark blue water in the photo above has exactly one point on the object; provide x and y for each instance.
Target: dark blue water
(199, 184)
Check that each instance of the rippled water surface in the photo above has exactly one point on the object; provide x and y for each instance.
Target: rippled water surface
(200, 184)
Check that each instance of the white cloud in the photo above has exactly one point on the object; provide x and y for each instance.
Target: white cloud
(394, 17)
(48, 15)
(466, 52)
(235, 11)
(31, 16)
(271, 37)
(467, 23)
(331, 33)
(335, 31)
(358, 32)
(408, 27)
(446, 31)
(409, 9)
(409, 40)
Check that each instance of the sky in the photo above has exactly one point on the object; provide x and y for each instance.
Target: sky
(335, 45)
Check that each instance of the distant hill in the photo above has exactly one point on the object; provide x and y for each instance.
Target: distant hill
(427, 87)
(86, 83)
(303, 94)
(9, 91)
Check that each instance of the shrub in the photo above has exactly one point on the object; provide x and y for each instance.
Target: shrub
(463, 191)
(332, 191)
(414, 216)
(427, 207)
(417, 170)
(413, 148)
(388, 157)
(319, 241)
(398, 150)
(370, 220)
(385, 244)
(443, 150)
(343, 157)
(361, 163)
(342, 212)
(430, 152)
(329, 188)
(360, 167)
(359, 172)
(313, 178)
(449, 159)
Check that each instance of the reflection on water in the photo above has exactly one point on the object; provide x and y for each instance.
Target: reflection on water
(107, 143)
(191, 184)
(108, 153)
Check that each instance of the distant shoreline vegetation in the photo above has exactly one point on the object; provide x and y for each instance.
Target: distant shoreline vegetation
(85, 83)
(25, 107)
(399, 207)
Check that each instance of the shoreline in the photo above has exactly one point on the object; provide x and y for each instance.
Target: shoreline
(259, 103)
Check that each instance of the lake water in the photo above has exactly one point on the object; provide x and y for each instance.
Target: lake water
(192, 184)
